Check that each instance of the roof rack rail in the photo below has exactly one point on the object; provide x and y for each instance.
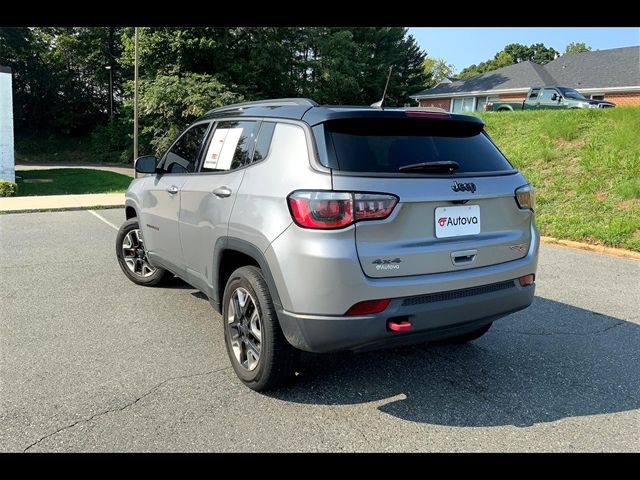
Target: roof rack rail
(276, 102)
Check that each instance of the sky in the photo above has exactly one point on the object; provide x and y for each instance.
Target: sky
(463, 46)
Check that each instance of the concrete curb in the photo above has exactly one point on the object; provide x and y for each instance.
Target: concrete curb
(616, 252)
(62, 209)
(55, 203)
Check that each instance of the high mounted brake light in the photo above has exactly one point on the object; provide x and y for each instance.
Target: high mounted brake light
(416, 113)
(330, 210)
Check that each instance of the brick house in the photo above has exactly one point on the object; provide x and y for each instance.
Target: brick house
(612, 74)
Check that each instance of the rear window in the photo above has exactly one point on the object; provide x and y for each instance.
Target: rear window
(383, 146)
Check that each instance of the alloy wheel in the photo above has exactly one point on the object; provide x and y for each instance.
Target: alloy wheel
(245, 328)
(135, 255)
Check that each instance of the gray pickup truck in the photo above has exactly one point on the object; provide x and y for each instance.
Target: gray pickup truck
(549, 97)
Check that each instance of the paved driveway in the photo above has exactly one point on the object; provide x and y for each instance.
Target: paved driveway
(91, 362)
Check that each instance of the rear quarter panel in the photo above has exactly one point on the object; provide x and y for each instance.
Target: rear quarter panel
(261, 212)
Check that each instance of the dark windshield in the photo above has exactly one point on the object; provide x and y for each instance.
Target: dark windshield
(571, 93)
(385, 145)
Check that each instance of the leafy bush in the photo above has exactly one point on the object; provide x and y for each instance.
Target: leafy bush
(168, 103)
(113, 143)
(8, 189)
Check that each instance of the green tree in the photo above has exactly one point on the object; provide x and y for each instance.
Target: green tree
(60, 80)
(576, 47)
(537, 53)
(512, 53)
(329, 64)
(501, 59)
(170, 102)
(62, 86)
(436, 70)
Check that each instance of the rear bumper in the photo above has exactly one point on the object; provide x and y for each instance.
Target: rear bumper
(433, 317)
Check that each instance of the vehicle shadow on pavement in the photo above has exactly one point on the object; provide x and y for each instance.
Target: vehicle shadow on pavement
(548, 362)
(179, 284)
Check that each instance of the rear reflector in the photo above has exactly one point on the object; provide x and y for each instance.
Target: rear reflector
(527, 280)
(368, 307)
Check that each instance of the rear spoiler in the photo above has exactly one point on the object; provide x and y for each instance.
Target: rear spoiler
(317, 115)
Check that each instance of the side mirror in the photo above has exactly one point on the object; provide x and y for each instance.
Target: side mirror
(556, 97)
(146, 164)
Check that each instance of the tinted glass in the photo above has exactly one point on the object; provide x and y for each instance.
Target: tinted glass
(231, 146)
(546, 95)
(264, 141)
(366, 145)
(571, 93)
(183, 155)
(534, 93)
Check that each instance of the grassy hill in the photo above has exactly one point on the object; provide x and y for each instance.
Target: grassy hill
(585, 166)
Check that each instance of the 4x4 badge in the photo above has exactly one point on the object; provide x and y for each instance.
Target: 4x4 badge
(463, 187)
(385, 261)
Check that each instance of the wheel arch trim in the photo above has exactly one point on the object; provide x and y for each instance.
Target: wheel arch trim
(226, 243)
(129, 205)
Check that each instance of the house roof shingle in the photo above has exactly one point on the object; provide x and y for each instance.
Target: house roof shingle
(617, 67)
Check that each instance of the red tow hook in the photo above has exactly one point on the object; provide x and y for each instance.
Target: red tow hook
(398, 325)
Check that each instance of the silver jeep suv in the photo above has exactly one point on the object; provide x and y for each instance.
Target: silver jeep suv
(327, 228)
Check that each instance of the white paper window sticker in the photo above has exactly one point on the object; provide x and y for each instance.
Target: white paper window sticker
(222, 148)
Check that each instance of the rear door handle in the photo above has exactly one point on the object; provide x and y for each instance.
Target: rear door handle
(173, 189)
(222, 192)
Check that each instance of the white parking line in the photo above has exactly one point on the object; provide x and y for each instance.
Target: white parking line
(103, 219)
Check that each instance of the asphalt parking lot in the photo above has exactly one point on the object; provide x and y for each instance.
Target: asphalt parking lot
(92, 362)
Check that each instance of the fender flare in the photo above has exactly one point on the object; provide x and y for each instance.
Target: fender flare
(131, 205)
(242, 246)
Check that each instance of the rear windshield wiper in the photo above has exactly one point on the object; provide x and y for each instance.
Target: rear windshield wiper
(444, 166)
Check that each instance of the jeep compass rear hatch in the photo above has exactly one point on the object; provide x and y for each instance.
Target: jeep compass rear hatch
(457, 207)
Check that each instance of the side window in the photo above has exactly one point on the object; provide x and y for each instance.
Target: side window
(546, 94)
(231, 145)
(264, 141)
(534, 94)
(183, 155)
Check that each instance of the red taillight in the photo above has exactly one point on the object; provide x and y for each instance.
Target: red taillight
(368, 307)
(328, 210)
(369, 206)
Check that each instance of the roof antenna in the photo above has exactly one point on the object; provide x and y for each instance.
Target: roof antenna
(379, 103)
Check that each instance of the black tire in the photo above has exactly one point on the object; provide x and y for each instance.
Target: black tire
(150, 280)
(277, 358)
(470, 336)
